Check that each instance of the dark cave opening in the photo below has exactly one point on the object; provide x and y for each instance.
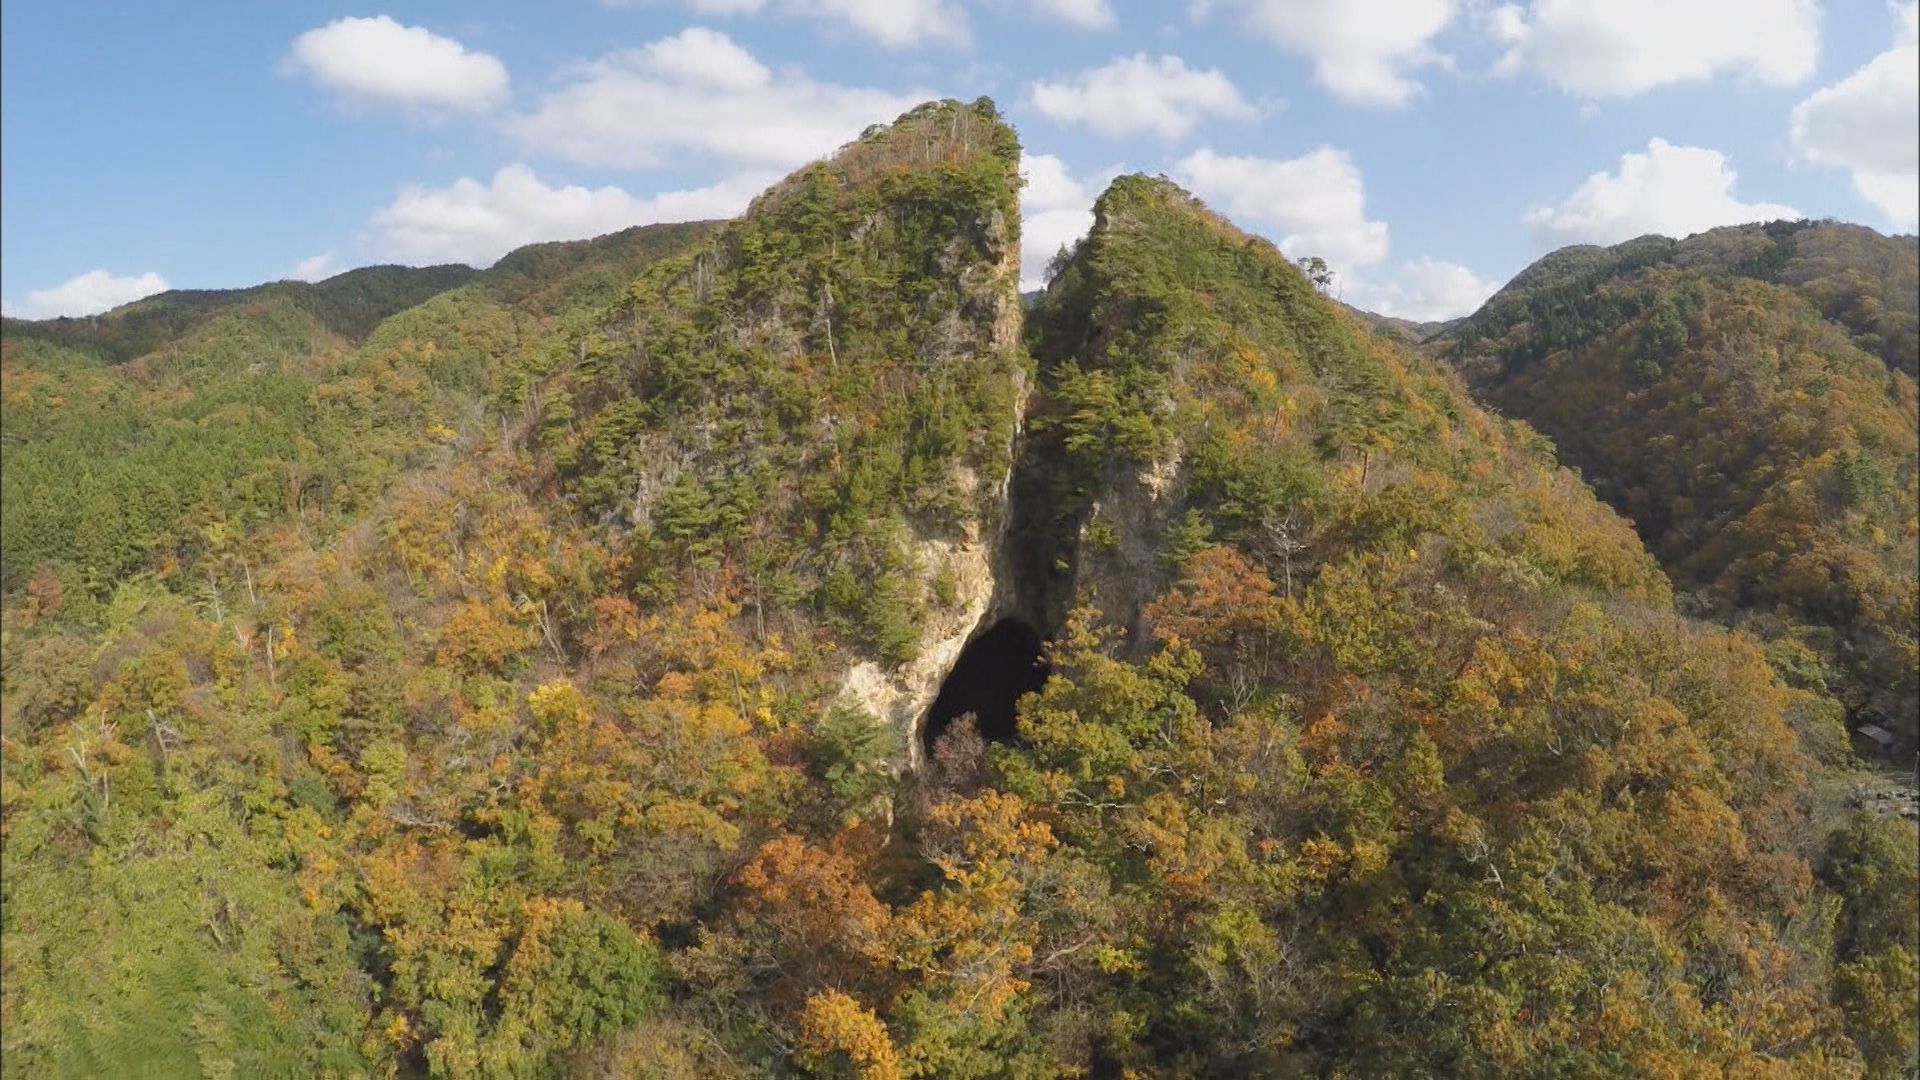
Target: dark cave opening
(993, 671)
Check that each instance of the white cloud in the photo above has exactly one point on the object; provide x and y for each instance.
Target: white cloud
(1424, 290)
(1618, 48)
(1869, 122)
(313, 268)
(1312, 205)
(1363, 51)
(896, 24)
(471, 222)
(701, 57)
(1316, 204)
(1055, 210)
(1138, 94)
(1050, 185)
(87, 294)
(1092, 14)
(699, 93)
(1673, 190)
(379, 61)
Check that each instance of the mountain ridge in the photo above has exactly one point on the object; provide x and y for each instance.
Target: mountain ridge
(1746, 396)
(351, 302)
(565, 691)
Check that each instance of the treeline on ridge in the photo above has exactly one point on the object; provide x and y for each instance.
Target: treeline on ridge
(507, 722)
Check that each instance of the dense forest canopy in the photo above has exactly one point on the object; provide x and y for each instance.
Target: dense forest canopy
(1746, 397)
(526, 673)
(348, 305)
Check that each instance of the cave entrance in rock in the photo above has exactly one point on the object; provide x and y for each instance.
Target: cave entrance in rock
(991, 674)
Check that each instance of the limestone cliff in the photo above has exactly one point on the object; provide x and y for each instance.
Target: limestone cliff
(816, 410)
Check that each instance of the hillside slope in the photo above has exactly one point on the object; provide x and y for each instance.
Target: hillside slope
(1746, 398)
(587, 706)
(347, 305)
(417, 779)
(1372, 703)
(145, 436)
(819, 405)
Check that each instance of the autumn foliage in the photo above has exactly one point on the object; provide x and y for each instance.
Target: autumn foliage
(503, 730)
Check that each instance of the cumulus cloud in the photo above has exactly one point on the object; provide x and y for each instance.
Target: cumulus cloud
(1311, 205)
(1618, 48)
(471, 222)
(896, 24)
(1092, 14)
(1424, 290)
(1316, 204)
(1363, 51)
(87, 294)
(379, 61)
(1139, 94)
(1056, 210)
(1673, 190)
(1869, 123)
(698, 93)
(313, 268)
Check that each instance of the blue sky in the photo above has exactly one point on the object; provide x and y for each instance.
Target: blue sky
(1429, 149)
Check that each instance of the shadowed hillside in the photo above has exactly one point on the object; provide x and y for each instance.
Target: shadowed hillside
(1746, 397)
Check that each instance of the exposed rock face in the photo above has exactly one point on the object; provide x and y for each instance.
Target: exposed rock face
(1117, 545)
(970, 562)
(814, 411)
(900, 696)
(976, 566)
(974, 562)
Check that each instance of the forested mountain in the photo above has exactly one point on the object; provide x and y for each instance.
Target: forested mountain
(167, 521)
(175, 424)
(347, 305)
(1413, 707)
(607, 667)
(1746, 397)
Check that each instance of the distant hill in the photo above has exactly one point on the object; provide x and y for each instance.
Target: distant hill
(129, 435)
(348, 305)
(1746, 397)
(1407, 330)
(1859, 279)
